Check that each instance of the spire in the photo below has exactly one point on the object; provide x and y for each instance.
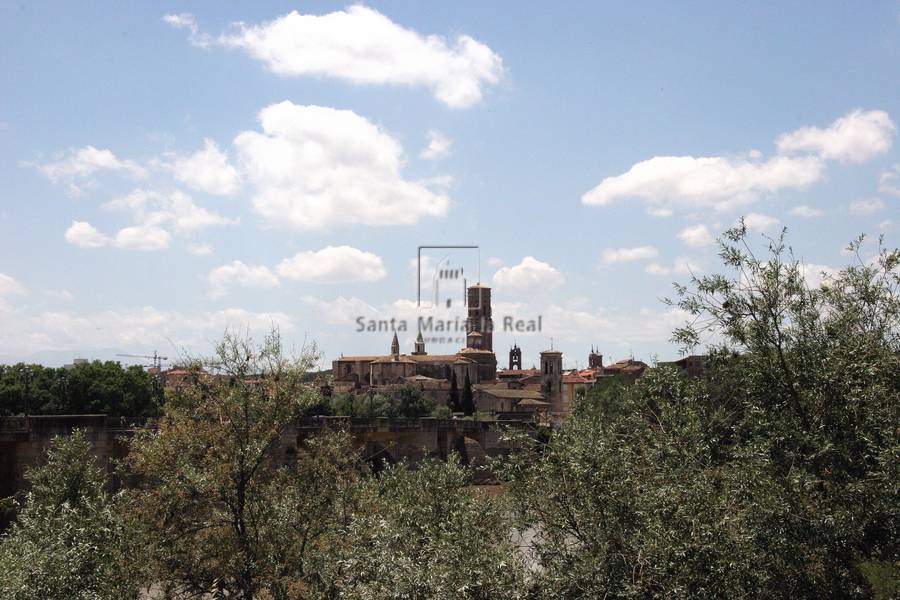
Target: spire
(420, 345)
(395, 346)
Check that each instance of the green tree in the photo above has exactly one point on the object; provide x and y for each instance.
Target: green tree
(774, 476)
(425, 535)
(453, 401)
(69, 540)
(224, 511)
(468, 400)
(86, 388)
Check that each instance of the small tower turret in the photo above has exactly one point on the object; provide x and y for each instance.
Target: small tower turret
(420, 345)
(595, 359)
(395, 346)
(515, 357)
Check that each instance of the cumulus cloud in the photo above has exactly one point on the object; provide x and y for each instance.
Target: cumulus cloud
(682, 265)
(208, 170)
(363, 46)
(669, 183)
(333, 264)
(807, 212)
(696, 236)
(438, 146)
(529, 275)
(85, 235)
(133, 328)
(187, 22)
(236, 273)
(815, 274)
(87, 161)
(618, 255)
(146, 238)
(853, 138)
(341, 310)
(889, 181)
(315, 167)
(9, 286)
(866, 206)
(175, 209)
(198, 249)
(154, 214)
(759, 222)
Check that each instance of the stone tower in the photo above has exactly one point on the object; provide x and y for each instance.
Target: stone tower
(420, 346)
(595, 359)
(479, 319)
(515, 357)
(551, 379)
(395, 346)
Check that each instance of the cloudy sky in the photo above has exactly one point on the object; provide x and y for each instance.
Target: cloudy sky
(170, 170)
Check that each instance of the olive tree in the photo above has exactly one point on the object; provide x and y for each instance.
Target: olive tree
(225, 511)
(69, 540)
(775, 475)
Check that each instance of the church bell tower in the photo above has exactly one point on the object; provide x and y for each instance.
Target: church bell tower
(515, 357)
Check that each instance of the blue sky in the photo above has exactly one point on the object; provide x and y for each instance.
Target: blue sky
(168, 170)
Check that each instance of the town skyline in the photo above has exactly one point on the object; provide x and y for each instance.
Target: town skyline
(168, 174)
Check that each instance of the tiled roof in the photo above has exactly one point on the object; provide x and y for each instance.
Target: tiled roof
(514, 394)
(391, 359)
(440, 358)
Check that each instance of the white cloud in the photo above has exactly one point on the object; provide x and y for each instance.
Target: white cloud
(188, 22)
(759, 222)
(438, 146)
(853, 138)
(240, 274)
(696, 236)
(617, 255)
(333, 264)
(667, 183)
(341, 311)
(807, 212)
(9, 286)
(208, 170)
(682, 265)
(87, 161)
(363, 46)
(314, 167)
(85, 235)
(145, 238)
(866, 206)
(175, 209)
(889, 181)
(493, 261)
(815, 274)
(134, 329)
(198, 249)
(529, 275)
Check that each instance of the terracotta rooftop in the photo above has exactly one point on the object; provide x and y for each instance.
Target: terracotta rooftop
(391, 359)
(507, 393)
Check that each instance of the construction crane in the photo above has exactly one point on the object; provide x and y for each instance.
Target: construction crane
(156, 359)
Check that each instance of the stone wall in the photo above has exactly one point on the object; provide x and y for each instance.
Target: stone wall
(24, 441)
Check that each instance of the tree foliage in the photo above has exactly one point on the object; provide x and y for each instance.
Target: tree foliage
(225, 512)
(69, 540)
(425, 535)
(776, 475)
(85, 388)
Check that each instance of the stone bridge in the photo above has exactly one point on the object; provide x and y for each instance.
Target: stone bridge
(24, 440)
